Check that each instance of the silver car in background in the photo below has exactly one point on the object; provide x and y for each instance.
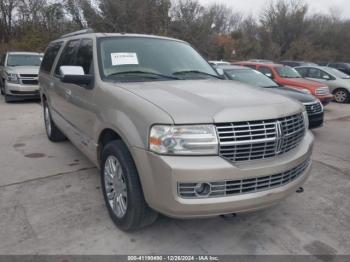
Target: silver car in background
(337, 81)
(19, 75)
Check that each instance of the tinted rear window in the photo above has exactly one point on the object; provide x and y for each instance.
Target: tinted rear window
(50, 56)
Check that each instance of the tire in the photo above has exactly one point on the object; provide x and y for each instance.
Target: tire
(8, 98)
(2, 87)
(53, 133)
(341, 95)
(131, 211)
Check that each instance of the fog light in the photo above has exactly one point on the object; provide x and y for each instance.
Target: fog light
(202, 189)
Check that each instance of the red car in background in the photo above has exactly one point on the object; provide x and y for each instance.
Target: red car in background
(287, 76)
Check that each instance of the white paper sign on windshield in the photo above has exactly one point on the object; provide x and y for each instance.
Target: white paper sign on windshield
(124, 59)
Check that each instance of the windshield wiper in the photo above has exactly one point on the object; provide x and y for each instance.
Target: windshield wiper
(145, 73)
(195, 72)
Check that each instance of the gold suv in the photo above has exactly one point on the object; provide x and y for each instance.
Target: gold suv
(168, 135)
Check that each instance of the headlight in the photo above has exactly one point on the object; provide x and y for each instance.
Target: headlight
(322, 91)
(307, 91)
(12, 78)
(183, 140)
(306, 119)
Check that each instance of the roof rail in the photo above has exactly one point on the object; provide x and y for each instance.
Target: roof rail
(80, 32)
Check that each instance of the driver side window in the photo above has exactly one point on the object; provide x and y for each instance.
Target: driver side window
(315, 73)
(68, 55)
(319, 74)
(266, 71)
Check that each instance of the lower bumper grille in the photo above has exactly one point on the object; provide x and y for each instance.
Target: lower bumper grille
(25, 92)
(30, 82)
(243, 186)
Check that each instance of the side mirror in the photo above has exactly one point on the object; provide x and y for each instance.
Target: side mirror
(269, 75)
(326, 77)
(74, 75)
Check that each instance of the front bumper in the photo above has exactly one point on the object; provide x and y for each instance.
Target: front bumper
(20, 90)
(316, 120)
(160, 176)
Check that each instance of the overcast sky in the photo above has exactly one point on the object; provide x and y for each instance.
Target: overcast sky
(254, 6)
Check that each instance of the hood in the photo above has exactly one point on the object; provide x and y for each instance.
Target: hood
(31, 70)
(208, 101)
(302, 82)
(293, 93)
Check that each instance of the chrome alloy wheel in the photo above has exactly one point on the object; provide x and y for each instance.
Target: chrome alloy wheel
(47, 119)
(340, 96)
(115, 186)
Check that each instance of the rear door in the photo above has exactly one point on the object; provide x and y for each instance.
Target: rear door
(46, 82)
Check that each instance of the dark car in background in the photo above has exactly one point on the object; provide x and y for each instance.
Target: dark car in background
(255, 78)
(344, 67)
(297, 63)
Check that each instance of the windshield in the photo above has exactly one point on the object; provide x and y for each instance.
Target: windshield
(287, 72)
(24, 60)
(250, 77)
(338, 73)
(150, 59)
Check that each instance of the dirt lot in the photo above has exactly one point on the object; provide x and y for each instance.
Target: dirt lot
(51, 202)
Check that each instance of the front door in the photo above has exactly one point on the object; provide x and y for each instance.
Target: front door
(78, 107)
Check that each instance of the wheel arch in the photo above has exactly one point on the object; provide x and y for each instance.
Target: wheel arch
(107, 135)
(340, 88)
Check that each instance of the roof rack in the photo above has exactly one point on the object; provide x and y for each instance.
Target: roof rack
(80, 32)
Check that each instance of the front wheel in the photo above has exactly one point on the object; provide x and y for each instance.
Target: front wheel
(54, 134)
(2, 87)
(122, 189)
(341, 95)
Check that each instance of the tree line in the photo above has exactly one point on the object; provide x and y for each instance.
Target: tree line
(284, 29)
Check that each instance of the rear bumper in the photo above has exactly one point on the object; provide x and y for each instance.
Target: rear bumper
(160, 176)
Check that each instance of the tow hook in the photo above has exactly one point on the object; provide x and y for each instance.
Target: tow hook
(300, 190)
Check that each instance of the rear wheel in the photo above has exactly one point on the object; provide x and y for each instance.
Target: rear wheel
(122, 189)
(341, 95)
(54, 134)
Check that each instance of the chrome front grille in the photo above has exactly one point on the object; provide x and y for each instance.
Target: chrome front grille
(243, 186)
(29, 75)
(255, 140)
(313, 108)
